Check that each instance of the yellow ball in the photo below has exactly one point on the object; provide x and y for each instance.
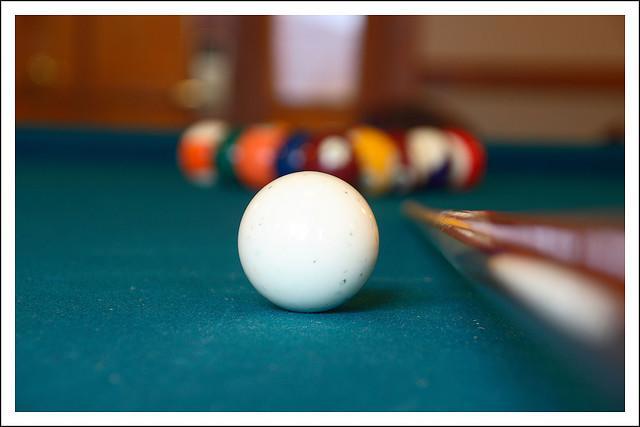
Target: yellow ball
(378, 158)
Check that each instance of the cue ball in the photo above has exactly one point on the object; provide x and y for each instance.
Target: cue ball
(308, 241)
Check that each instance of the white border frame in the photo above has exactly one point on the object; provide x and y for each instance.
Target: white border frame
(10, 9)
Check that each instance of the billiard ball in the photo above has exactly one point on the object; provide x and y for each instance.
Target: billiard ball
(225, 155)
(291, 157)
(333, 154)
(197, 148)
(429, 154)
(468, 160)
(256, 152)
(308, 241)
(378, 158)
(405, 177)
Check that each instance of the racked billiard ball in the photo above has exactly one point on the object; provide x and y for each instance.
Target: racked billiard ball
(378, 159)
(197, 149)
(405, 177)
(308, 241)
(256, 152)
(292, 157)
(429, 153)
(333, 154)
(225, 155)
(468, 159)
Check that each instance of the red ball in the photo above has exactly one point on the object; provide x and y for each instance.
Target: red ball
(469, 159)
(333, 154)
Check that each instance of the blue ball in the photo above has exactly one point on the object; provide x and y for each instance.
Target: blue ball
(291, 157)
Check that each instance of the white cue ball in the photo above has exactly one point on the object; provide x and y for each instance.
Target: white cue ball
(308, 241)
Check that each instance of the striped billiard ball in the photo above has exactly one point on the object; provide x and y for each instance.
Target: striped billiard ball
(197, 149)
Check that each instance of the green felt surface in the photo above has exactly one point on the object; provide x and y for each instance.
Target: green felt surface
(130, 296)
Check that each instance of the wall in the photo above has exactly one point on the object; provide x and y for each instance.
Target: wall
(526, 76)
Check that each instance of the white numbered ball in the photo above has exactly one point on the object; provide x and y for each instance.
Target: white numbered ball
(308, 241)
(429, 150)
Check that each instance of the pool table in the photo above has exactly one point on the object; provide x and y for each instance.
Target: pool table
(130, 295)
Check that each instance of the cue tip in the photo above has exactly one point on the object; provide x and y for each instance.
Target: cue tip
(433, 217)
(418, 211)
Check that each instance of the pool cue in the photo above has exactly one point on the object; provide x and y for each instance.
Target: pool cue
(566, 273)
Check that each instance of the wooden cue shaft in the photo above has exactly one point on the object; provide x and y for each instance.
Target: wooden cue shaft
(595, 246)
(584, 301)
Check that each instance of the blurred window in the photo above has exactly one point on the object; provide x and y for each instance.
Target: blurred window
(317, 59)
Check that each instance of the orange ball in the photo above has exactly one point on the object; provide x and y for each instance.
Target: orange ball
(256, 153)
(197, 148)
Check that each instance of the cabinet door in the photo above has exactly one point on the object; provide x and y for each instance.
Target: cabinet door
(132, 63)
(105, 70)
(46, 68)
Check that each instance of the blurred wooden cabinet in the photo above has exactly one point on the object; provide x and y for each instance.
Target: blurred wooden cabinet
(142, 70)
(505, 76)
(101, 69)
